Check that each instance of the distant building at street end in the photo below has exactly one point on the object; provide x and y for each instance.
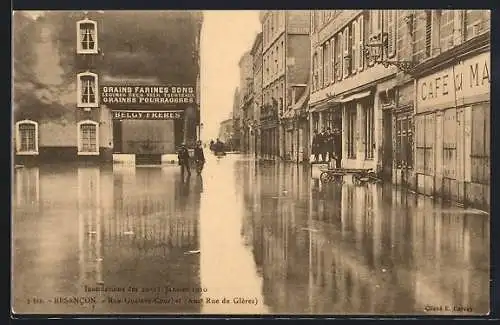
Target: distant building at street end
(255, 132)
(286, 65)
(226, 131)
(236, 119)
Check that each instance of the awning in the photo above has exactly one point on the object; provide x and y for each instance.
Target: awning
(302, 100)
(356, 96)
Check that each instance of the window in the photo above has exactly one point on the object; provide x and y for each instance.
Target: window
(325, 63)
(375, 22)
(88, 138)
(351, 131)
(282, 58)
(320, 68)
(425, 133)
(332, 60)
(339, 52)
(354, 47)
(428, 33)
(86, 37)
(391, 33)
(361, 40)
(87, 89)
(369, 130)
(404, 141)
(27, 137)
(315, 72)
(347, 51)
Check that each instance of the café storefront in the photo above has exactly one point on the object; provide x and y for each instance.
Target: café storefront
(452, 129)
(150, 121)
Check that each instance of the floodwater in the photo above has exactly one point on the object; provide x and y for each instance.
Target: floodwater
(245, 238)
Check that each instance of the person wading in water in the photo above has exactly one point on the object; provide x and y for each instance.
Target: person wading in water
(183, 157)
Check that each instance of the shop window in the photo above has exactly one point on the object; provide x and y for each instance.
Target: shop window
(450, 143)
(369, 130)
(88, 137)
(404, 141)
(87, 89)
(86, 37)
(425, 136)
(27, 137)
(480, 155)
(351, 131)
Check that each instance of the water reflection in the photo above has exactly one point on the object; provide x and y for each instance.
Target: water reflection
(364, 250)
(101, 228)
(261, 231)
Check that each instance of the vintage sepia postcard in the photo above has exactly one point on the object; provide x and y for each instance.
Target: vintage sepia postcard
(304, 162)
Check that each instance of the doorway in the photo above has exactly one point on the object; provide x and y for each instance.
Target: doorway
(387, 145)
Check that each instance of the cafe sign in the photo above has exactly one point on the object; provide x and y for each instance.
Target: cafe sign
(147, 95)
(461, 84)
(146, 115)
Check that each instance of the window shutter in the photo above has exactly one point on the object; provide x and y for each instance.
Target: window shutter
(391, 33)
(346, 52)
(332, 59)
(361, 43)
(354, 46)
(340, 61)
(320, 66)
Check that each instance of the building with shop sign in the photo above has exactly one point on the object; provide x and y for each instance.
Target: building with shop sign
(348, 88)
(452, 75)
(285, 63)
(96, 86)
(409, 92)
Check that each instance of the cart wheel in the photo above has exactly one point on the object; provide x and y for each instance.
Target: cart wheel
(325, 177)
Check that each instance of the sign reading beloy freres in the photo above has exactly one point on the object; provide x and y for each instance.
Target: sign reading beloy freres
(146, 115)
(147, 95)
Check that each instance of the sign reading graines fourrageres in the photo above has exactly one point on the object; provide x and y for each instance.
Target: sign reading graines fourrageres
(148, 95)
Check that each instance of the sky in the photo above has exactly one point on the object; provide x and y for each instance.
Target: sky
(226, 35)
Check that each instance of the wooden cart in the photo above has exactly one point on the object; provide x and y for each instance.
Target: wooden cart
(359, 175)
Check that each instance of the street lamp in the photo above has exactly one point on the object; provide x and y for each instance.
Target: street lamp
(375, 51)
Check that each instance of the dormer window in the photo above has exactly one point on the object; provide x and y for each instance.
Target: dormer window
(87, 89)
(86, 35)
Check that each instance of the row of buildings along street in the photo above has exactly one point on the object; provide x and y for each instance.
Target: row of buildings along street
(404, 92)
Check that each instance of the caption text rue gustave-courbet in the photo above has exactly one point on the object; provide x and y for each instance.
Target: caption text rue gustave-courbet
(142, 296)
(172, 296)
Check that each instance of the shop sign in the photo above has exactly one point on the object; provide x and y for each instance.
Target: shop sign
(147, 95)
(146, 115)
(456, 84)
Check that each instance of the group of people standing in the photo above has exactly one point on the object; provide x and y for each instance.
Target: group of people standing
(327, 145)
(184, 158)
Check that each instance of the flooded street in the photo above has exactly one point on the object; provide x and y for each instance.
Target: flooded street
(246, 238)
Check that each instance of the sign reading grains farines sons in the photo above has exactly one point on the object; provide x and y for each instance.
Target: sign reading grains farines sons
(144, 95)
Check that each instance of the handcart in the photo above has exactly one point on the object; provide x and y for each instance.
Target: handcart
(359, 176)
